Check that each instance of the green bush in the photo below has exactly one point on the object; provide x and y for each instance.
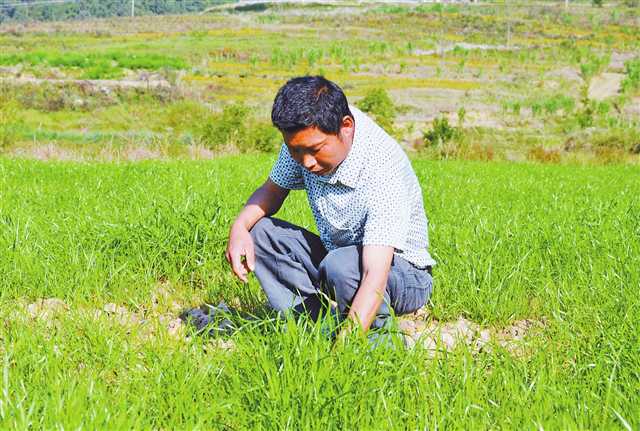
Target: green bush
(591, 64)
(379, 105)
(441, 132)
(102, 70)
(186, 115)
(9, 121)
(226, 129)
(553, 104)
(264, 138)
(632, 80)
(625, 139)
(237, 127)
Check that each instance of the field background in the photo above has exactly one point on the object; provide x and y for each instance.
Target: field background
(128, 146)
(519, 80)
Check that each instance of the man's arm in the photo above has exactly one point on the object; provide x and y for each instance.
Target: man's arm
(376, 264)
(265, 201)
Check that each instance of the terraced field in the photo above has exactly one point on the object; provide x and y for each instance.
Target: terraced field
(522, 80)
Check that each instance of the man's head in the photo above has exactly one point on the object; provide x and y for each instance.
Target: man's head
(314, 117)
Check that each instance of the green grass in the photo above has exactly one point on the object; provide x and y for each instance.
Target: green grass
(103, 65)
(557, 244)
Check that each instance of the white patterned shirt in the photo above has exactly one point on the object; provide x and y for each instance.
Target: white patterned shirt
(373, 198)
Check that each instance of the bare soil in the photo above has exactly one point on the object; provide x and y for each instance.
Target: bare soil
(161, 316)
(437, 336)
(605, 85)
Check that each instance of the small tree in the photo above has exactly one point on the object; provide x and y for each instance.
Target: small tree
(378, 103)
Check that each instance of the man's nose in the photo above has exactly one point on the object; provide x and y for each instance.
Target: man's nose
(308, 161)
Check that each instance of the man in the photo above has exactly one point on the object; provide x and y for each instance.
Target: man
(371, 256)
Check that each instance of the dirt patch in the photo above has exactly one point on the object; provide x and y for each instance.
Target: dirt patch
(120, 314)
(54, 152)
(427, 104)
(605, 85)
(466, 46)
(103, 84)
(135, 154)
(632, 108)
(200, 152)
(159, 318)
(47, 308)
(618, 59)
(437, 336)
(47, 152)
(565, 73)
(161, 314)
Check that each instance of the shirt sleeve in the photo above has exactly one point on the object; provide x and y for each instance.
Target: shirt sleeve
(388, 209)
(286, 172)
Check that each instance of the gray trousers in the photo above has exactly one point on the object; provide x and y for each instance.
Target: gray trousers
(294, 268)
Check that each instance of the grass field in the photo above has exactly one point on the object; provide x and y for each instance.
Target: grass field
(125, 247)
(102, 249)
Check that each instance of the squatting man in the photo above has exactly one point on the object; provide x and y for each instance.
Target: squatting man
(371, 256)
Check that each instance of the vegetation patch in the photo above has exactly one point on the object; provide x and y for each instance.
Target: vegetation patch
(106, 65)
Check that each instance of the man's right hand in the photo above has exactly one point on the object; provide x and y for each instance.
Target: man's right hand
(265, 201)
(240, 252)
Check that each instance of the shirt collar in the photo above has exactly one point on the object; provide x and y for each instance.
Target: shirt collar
(349, 170)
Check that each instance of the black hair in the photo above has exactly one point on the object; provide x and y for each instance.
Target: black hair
(309, 101)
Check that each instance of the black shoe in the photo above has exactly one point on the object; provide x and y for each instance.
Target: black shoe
(212, 322)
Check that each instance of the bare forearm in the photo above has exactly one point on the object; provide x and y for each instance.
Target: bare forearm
(376, 264)
(249, 216)
(265, 201)
(368, 299)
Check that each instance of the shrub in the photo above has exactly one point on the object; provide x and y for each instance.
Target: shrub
(264, 138)
(558, 102)
(52, 97)
(441, 132)
(187, 115)
(102, 70)
(462, 115)
(592, 64)
(543, 155)
(585, 116)
(227, 128)
(624, 139)
(632, 80)
(378, 103)
(236, 127)
(609, 155)
(8, 121)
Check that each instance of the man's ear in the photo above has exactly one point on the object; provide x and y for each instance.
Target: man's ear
(347, 127)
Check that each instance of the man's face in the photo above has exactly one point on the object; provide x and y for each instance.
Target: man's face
(318, 152)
